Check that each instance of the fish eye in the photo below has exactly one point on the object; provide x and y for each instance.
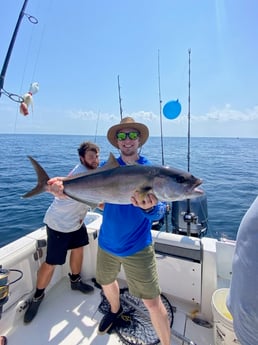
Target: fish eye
(180, 179)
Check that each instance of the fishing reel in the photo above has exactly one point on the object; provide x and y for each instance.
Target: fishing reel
(190, 217)
(4, 285)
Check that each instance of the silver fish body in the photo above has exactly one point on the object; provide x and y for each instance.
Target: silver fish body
(116, 184)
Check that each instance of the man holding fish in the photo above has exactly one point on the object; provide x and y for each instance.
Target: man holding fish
(125, 238)
(65, 230)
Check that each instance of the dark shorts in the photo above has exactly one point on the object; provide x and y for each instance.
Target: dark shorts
(140, 270)
(58, 243)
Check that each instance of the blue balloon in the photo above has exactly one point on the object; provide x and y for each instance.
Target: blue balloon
(172, 109)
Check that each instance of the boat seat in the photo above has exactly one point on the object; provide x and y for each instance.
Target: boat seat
(178, 246)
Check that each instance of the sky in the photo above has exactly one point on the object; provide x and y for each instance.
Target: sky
(79, 49)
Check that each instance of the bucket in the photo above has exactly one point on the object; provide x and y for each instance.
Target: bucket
(3, 276)
(223, 322)
(4, 286)
(4, 283)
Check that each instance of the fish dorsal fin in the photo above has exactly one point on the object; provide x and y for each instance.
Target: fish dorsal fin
(110, 164)
(113, 163)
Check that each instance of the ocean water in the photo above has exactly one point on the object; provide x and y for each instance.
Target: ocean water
(228, 167)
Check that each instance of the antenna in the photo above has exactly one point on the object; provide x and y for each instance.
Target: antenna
(120, 100)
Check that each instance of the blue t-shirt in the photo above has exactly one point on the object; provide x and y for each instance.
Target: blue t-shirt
(126, 229)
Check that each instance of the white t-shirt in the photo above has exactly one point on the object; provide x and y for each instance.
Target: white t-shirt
(243, 295)
(67, 215)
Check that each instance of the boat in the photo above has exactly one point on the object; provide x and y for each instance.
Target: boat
(190, 270)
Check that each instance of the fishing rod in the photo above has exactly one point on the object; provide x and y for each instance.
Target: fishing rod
(183, 217)
(161, 139)
(160, 115)
(96, 131)
(33, 20)
(189, 217)
(189, 111)
(120, 99)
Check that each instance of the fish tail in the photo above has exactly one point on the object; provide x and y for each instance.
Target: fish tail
(42, 179)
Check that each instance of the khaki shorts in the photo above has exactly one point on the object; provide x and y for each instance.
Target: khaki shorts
(140, 270)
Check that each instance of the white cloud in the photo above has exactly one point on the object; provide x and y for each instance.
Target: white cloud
(225, 121)
(217, 114)
(143, 115)
(229, 114)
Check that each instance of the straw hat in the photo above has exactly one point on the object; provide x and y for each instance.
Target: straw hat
(128, 122)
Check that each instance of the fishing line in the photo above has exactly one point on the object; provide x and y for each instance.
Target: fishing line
(160, 113)
(97, 124)
(50, 4)
(27, 57)
(32, 43)
(35, 21)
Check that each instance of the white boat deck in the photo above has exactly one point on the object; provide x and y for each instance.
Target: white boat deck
(189, 269)
(69, 317)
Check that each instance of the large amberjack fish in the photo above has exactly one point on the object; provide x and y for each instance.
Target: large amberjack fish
(115, 184)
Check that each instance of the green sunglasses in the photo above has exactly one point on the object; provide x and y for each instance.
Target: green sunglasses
(131, 135)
